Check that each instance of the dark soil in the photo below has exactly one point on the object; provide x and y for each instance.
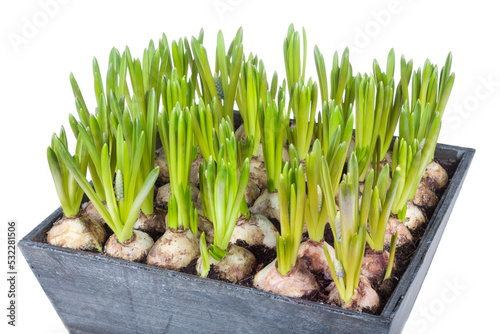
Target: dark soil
(263, 255)
(403, 256)
(418, 233)
(385, 290)
(316, 296)
(275, 222)
(449, 165)
(320, 296)
(190, 268)
(329, 235)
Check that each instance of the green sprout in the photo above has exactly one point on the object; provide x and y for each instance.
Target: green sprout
(98, 138)
(156, 64)
(133, 120)
(350, 232)
(341, 80)
(124, 203)
(227, 70)
(136, 116)
(69, 192)
(333, 118)
(412, 159)
(426, 87)
(316, 213)
(303, 98)
(204, 256)
(390, 263)
(419, 126)
(181, 56)
(211, 129)
(176, 90)
(408, 159)
(373, 104)
(387, 76)
(380, 205)
(206, 120)
(273, 120)
(274, 86)
(176, 134)
(183, 60)
(252, 89)
(145, 79)
(222, 194)
(291, 52)
(303, 104)
(291, 193)
(390, 116)
(98, 125)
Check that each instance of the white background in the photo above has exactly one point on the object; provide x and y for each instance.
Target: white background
(459, 294)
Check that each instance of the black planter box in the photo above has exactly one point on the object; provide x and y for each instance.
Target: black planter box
(93, 293)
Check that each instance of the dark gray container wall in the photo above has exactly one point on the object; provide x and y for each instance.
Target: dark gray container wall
(93, 293)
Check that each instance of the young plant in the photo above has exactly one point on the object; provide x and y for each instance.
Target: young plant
(288, 274)
(204, 256)
(291, 52)
(178, 246)
(413, 157)
(373, 104)
(291, 192)
(252, 89)
(333, 119)
(125, 200)
(350, 230)
(273, 121)
(206, 119)
(176, 90)
(426, 86)
(134, 120)
(419, 126)
(227, 68)
(382, 199)
(380, 205)
(116, 80)
(98, 125)
(179, 58)
(408, 159)
(74, 230)
(211, 129)
(390, 118)
(316, 213)
(96, 137)
(69, 192)
(304, 98)
(341, 80)
(176, 134)
(222, 194)
(147, 76)
(146, 81)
